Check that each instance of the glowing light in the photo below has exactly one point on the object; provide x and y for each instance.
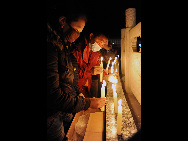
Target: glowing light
(104, 83)
(101, 59)
(112, 79)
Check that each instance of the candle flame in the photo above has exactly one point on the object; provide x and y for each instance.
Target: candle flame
(101, 59)
(115, 59)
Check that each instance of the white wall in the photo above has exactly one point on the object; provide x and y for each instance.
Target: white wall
(131, 61)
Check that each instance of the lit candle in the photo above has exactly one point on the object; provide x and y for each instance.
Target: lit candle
(101, 65)
(119, 118)
(115, 98)
(103, 92)
(115, 59)
(108, 64)
(115, 63)
(112, 67)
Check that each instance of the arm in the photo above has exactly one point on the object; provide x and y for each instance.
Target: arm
(61, 98)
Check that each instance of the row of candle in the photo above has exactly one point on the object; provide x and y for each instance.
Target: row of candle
(113, 65)
(112, 68)
(117, 109)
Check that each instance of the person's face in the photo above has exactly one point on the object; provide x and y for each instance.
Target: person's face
(77, 27)
(101, 41)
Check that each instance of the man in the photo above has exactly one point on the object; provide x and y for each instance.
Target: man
(89, 63)
(107, 54)
(63, 94)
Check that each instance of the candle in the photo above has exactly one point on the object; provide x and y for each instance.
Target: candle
(108, 64)
(101, 65)
(119, 118)
(103, 92)
(115, 59)
(112, 68)
(115, 98)
(115, 63)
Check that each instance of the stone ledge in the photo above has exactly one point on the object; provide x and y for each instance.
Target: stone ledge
(134, 106)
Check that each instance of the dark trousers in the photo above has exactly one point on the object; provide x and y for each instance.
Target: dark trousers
(95, 87)
(55, 129)
(58, 127)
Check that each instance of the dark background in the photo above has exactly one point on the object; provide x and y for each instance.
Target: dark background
(103, 16)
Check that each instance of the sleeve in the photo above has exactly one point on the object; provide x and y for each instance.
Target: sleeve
(61, 98)
(104, 72)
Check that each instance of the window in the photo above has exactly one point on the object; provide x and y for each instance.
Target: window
(138, 44)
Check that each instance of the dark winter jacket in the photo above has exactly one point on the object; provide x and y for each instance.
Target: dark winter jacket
(62, 78)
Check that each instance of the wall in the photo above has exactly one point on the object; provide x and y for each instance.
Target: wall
(131, 61)
(135, 75)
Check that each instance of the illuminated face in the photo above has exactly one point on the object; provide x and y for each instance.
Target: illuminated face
(75, 30)
(78, 25)
(101, 41)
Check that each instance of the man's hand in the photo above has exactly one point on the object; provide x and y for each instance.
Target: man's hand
(97, 102)
(81, 94)
(96, 70)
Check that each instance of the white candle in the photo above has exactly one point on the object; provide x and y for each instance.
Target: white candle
(112, 68)
(115, 63)
(101, 65)
(108, 64)
(119, 118)
(103, 92)
(115, 98)
(115, 59)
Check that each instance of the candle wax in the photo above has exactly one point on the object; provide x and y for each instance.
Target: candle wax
(119, 118)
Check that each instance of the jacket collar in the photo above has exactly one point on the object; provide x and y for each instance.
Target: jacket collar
(54, 38)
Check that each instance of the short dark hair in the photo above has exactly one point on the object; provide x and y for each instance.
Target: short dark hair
(53, 17)
(97, 34)
(73, 17)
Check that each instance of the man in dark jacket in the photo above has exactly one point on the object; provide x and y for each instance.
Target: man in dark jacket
(63, 94)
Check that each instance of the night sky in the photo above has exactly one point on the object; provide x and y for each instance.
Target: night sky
(106, 17)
